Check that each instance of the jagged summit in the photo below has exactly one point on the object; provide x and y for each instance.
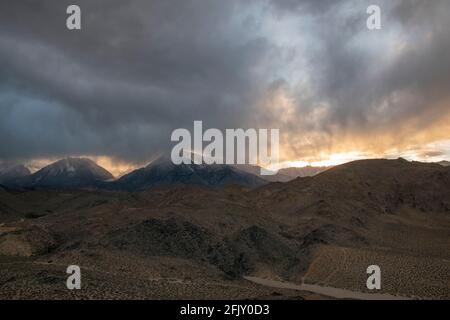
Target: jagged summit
(163, 171)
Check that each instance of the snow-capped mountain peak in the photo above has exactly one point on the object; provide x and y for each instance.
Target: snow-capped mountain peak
(67, 173)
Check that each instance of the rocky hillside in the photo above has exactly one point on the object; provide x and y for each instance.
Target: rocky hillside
(324, 229)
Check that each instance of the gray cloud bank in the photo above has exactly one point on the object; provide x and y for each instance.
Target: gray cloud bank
(139, 69)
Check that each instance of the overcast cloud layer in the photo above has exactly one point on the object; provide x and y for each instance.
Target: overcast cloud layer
(139, 69)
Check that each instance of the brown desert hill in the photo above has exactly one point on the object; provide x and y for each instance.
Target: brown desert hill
(383, 186)
(11, 207)
(324, 229)
(371, 204)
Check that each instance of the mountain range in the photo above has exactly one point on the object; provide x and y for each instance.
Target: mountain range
(83, 173)
(185, 241)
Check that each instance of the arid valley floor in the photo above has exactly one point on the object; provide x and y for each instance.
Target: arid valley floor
(190, 242)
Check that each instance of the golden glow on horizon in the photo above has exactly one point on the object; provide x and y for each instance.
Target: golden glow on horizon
(334, 152)
(313, 135)
(120, 168)
(332, 160)
(117, 168)
(432, 152)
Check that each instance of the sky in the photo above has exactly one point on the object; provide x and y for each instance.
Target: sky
(139, 69)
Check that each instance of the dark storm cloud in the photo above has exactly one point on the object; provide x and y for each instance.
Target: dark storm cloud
(307, 6)
(133, 74)
(139, 69)
(375, 82)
